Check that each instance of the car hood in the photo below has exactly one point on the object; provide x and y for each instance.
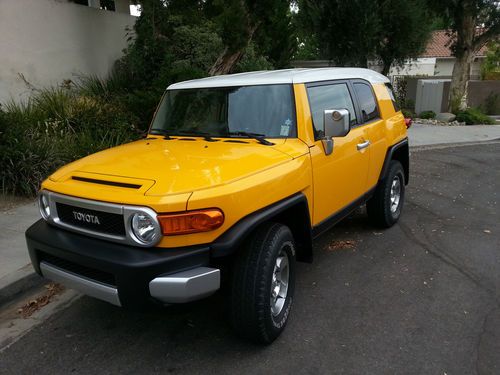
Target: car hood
(162, 167)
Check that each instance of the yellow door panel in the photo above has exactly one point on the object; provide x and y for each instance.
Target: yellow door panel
(339, 178)
(375, 132)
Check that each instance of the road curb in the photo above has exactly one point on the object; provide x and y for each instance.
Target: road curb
(457, 144)
(15, 285)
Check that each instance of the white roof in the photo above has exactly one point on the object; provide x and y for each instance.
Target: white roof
(269, 77)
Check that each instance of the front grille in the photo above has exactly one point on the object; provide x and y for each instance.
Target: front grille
(78, 269)
(98, 221)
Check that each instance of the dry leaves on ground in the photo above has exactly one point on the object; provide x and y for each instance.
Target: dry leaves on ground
(36, 304)
(341, 245)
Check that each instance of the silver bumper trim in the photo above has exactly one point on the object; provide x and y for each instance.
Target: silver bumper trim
(185, 286)
(84, 285)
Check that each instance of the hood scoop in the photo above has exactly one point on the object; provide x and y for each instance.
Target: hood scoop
(106, 182)
(90, 185)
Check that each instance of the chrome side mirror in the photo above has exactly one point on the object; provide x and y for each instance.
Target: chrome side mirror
(336, 123)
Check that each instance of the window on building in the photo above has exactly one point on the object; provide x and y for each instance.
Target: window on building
(335, 96)
(81, 2)
(100, 4)
(367, 102)
(108, 5)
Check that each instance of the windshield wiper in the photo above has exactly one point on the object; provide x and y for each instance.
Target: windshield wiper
(258, 137)
(195, 133)
(163, 132)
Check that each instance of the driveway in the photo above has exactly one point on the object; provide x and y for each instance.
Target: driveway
(419, 298)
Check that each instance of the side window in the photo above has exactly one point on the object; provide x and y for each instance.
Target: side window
(335, 96)
(367, 102)
(391, 94)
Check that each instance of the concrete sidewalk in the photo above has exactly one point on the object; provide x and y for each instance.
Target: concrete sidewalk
(427, 135)
(16, 272)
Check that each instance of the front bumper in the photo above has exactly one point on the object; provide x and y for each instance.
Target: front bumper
(120, 274)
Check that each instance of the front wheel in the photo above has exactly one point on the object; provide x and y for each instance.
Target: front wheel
(384, 208)
(263, 284)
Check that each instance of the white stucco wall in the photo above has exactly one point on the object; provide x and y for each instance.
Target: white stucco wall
(475, 68)
(423, 66)
(444, 67)
(48, 41)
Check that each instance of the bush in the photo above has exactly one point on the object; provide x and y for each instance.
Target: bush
(427, 115)
(407, 113)
(474, 116)
(490, 68)
(408, 104)
(54, 127)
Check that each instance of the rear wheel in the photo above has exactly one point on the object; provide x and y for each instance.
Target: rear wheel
(384, 208)
(264, 283)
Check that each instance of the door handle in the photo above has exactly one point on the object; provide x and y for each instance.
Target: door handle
(363, 145)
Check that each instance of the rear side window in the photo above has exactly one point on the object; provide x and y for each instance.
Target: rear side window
(393, 98)
(367, 102)
(323, 97)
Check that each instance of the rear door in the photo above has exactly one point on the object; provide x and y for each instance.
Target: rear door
(339, 178)
(374, 127)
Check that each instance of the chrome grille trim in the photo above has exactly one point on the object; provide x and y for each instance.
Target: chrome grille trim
(125, 210)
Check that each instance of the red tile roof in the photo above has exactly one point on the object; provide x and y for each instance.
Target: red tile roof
(439, 46)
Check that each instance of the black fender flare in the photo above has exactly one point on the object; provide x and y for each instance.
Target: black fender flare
(232, 239)
(403, 151)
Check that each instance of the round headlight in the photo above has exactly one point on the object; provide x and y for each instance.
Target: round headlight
(43, 205)
(145, 228)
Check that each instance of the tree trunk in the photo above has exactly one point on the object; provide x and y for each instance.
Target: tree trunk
(386, 67)
(459, 83)
(464, 52)
(225, 62)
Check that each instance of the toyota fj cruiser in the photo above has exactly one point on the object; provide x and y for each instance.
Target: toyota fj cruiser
(236, 177)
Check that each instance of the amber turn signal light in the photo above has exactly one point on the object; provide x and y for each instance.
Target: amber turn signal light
(191, 222)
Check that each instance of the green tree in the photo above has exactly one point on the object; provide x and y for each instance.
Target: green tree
(472, 24)
(491, 65)
(344, 31)
(240, 22)
(276, 38)
(261, 27)
(351, 32)
(403, 33)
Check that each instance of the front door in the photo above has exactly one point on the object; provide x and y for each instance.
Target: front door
(341, 177)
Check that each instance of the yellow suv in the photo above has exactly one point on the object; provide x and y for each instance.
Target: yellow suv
(236, 177)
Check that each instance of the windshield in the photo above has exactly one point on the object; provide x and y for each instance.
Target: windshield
(265, 110)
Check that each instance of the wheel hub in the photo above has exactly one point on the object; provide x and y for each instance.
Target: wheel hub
(279, 283)
(395, 194)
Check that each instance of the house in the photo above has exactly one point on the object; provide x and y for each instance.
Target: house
(437, 60)
(425, 79)
(44, 42)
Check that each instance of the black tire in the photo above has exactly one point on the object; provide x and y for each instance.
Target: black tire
(253, 272)
(379, 206)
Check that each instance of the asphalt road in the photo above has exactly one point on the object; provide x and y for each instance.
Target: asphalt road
(419, 298)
